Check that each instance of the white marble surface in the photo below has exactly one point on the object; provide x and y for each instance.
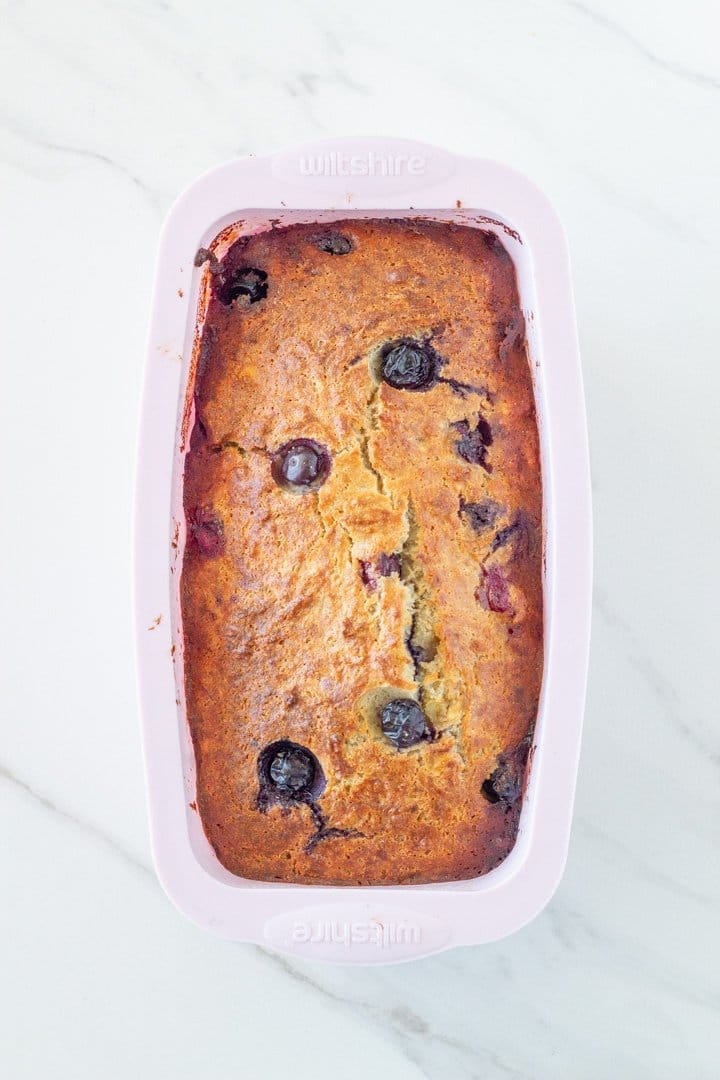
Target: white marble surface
(109, 110)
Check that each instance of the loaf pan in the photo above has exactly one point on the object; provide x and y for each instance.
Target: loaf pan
(323, 182)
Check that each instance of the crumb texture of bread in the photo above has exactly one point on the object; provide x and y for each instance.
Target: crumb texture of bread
(411, 567)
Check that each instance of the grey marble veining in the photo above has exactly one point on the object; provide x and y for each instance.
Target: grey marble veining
(109, 111)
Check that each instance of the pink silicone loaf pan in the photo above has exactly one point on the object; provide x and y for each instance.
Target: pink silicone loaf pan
(322, 182)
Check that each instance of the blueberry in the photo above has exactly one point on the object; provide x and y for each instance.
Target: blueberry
(301, 465)
(335, 244)
(288, 773)
(366, 575)
(479, 515)
(472, 446)
(404, 723)
(205, 530)
(291, 770)
(247, 281)
(505, 783)
(493, 592)
(520, 534)
(387, 564)
(417, 654)
(503, 536)
(407, 364)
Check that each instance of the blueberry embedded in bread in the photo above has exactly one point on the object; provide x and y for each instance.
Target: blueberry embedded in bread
(384, 566)
(472, 446)
(404, 724)
(479, 515)
(301, 465)
(406, 364)
(493, 592)
(519, 536)
(291, 771)
(333, 243)
(387, 565)
(247, 281)
(229, 284)
(288, 773)
(505, 783)
(205, 531)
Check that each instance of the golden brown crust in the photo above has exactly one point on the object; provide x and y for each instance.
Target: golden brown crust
(291, 630)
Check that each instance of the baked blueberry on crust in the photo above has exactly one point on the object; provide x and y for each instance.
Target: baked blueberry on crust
(334, 244)
(479, 515)
(300, 465)
(289, 773)
(205, 531)
(403, 723)
(505, 783)
(247, 281)
(406, 364)
(473, 442)
(361, 589)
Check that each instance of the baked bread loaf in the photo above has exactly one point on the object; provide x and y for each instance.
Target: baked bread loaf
(361, 588)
